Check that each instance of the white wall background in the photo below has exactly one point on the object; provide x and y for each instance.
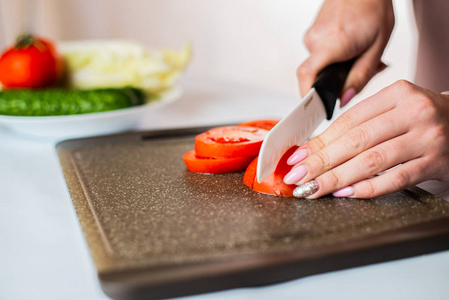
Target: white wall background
(252, 41)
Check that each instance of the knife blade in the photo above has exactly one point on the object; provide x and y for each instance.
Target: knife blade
(297, 126)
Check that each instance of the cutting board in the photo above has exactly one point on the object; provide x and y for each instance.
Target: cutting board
(156, 230)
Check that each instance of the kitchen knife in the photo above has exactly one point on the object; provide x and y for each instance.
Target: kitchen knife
(299, 124)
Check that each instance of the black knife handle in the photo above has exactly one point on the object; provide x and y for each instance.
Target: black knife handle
(329, 84)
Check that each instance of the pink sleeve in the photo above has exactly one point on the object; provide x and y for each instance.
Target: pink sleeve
(432, 67)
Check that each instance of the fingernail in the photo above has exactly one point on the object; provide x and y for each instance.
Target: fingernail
(344, 192)
(298, 156)
(347, 96)
(306, 189)
(295, 175)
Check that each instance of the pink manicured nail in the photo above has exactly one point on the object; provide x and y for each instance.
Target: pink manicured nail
(297, 156)
(295, 175)
(344, 192)
(347, 96)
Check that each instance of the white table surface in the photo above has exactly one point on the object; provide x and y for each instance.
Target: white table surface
(43, 254)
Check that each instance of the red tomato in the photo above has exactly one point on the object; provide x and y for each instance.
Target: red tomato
(230, 141)
(32, 63)
(273, 184)
(264, 124)
(215, 165)
(250, 173)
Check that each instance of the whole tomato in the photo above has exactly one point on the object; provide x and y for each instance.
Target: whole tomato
(32, 62)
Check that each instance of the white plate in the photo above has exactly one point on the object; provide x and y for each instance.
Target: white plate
(72, 126)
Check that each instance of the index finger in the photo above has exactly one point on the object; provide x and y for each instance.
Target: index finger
(308, 71)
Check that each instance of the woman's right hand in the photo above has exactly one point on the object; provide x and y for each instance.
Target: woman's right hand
(345, 29)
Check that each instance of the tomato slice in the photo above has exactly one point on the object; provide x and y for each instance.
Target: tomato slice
(264, 124)
(230, 141)
(216, 165)
(250, 173)
(273, 184)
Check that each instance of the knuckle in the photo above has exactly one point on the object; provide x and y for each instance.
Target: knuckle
(370, 190)
(423, 169)
(319, 35)
(344, 122)
(333, 179)
(303, 71)
(424, 108)
(316, 144)
(359, 138)
(373, 161)
(311, 37)
(401, 180)
(438, 133)
(404, 86)
(323, 160)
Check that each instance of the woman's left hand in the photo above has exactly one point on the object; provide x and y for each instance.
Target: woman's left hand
(402, 126)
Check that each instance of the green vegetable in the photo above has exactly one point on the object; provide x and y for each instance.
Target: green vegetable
(53, 102)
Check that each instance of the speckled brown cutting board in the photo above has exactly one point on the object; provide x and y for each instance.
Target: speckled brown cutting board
(156, 230)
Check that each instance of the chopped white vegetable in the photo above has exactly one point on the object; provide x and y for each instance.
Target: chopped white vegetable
(111, 63)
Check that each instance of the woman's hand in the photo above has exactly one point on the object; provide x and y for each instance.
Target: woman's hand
(345, 29)
(402, 126)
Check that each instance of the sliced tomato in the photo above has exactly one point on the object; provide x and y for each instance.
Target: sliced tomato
(215, 165)
(273, 184)
(264, 124)
(250, 174)
(230, 141)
